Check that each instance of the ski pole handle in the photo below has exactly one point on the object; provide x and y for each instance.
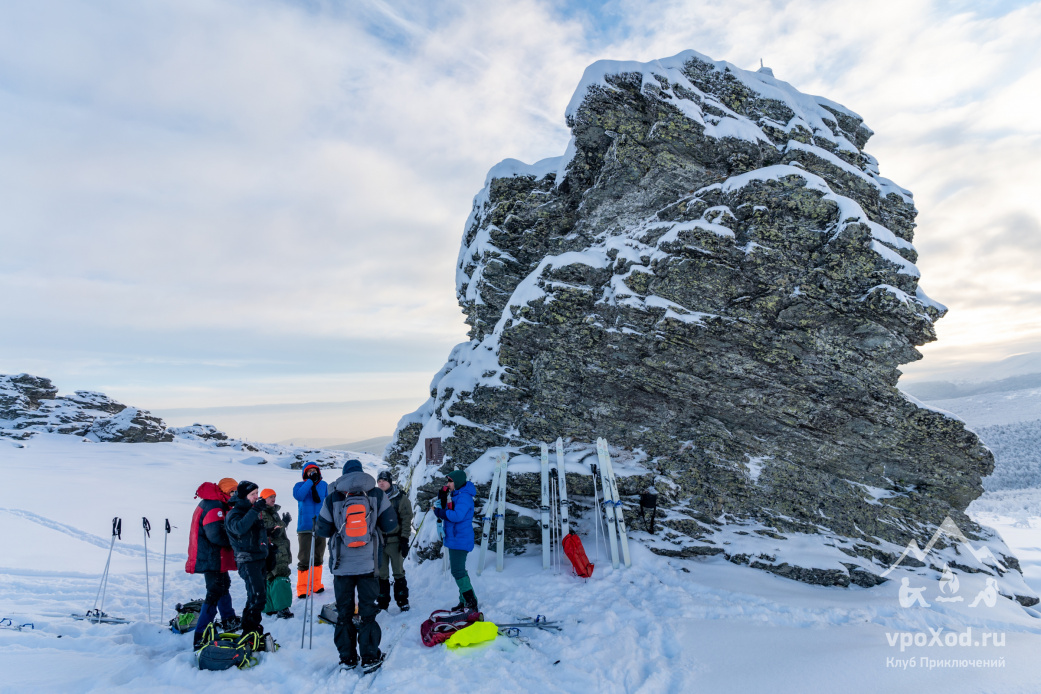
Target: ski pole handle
(147, 526)
(167, 526)
(117, 528)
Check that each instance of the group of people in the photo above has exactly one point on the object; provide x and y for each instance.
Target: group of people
(366, 525)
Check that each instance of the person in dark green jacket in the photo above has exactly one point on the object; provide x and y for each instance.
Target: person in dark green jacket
(281, 554)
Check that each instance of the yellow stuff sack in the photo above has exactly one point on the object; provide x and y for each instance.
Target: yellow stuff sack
(476, 633)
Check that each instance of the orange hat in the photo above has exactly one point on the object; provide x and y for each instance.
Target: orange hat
(266, 493)
(227, 485)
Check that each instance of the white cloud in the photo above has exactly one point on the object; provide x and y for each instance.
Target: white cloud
(276, 168)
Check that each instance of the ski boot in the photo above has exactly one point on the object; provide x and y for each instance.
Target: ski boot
(348, 662)
(373, 664)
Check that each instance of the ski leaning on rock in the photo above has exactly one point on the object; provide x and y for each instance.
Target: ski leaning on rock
(544, 508)
(489, 510)
(613, 504)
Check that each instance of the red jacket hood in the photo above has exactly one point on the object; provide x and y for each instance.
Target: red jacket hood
(211, 492)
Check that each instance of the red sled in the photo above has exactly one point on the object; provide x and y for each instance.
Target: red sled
(574, 551)
(443, 623)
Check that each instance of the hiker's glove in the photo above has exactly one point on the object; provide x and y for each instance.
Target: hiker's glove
(440, 513)
(436, 504)
(403, 546)
(259, 505)
(286, 518)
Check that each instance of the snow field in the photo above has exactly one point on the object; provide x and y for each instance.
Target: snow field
(664, 625)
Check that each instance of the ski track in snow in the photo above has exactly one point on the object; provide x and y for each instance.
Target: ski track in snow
(120, 547)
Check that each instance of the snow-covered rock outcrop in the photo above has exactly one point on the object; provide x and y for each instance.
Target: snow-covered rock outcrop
(30, 405)
(716, 278)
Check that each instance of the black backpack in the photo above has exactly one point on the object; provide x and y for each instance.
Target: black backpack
(223, 651)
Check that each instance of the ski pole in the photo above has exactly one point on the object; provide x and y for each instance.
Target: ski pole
(162, 599)
(117, 532)
(310, 577)
(148, 529)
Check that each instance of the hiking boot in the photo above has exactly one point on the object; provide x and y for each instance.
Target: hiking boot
(284, 613)
(401, 593)
(231, 623)
(470, 600)
(348, 662)
(373, 664)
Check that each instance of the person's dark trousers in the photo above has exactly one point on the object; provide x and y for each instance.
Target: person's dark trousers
(217, 596)
(252, 573)
(348, 637)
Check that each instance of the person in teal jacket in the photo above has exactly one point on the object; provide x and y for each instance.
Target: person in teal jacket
(309, 494)
(455, 506)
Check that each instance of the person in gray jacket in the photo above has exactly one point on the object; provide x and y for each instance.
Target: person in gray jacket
(356, 516)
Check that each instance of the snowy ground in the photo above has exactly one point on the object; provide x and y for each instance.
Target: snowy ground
(661, 626)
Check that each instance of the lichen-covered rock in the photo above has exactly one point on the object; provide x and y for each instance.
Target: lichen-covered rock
(716, 279)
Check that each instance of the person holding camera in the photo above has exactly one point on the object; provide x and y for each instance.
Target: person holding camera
(309, 494)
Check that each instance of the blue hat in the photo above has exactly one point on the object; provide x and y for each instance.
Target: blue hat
(352, 466)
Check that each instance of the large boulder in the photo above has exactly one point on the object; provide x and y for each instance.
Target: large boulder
(715, 278)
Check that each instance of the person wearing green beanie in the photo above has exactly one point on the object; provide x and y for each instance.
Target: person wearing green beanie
(455, 508)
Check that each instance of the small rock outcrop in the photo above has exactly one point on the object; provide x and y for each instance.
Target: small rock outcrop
(30, 405)
(716, 278)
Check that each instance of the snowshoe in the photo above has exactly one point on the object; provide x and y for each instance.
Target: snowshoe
(443, 623)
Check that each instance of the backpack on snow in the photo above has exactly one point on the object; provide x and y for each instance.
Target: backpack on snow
(443, 623)
(223, 651)
(279, 595)
(577, 554)
(329, 615)
(187, 617)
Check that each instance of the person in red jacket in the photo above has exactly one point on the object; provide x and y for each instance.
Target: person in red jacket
(210, 554)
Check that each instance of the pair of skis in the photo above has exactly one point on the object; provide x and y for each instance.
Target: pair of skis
(612, 505)
(495, 507)
(550, 507)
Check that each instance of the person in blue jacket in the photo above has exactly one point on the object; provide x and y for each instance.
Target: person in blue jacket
(455, 507)
(309, 494)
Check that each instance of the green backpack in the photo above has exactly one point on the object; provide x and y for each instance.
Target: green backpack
(187, 617)
(279, 595)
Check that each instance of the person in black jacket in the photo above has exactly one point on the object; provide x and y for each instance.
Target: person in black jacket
(210, 554)
(249, 540)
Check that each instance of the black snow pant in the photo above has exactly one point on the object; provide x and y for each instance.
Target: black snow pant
(347, 636)
(252, 573)
(217, 598)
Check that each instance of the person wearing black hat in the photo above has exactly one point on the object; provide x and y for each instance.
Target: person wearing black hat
(455, 506)
(249, 540)
(356, 516)
(396, 549)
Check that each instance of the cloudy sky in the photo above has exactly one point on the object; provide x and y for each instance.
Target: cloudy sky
(212, 205)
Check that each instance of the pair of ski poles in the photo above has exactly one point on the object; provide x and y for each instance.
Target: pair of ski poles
(97, 612)
(309, 600)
